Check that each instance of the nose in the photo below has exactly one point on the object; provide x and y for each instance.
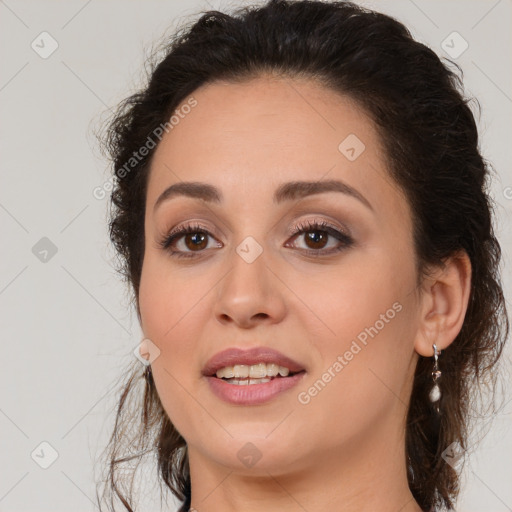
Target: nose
(251, 293)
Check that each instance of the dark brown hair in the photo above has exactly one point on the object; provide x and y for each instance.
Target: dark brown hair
(432, 150)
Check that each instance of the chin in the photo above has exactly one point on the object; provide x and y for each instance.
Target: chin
(256, 456)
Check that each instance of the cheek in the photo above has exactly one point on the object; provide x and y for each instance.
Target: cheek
(344, 300)
(169, 319)
(167, 297)
(169, 311)
(364, 364)
(366, 310)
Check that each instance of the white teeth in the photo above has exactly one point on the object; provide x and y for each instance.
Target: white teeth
(283, 371)
(258, 371)
(272, 369)
(247, 382)
(241, 371)
(226, 372)
(255, 371)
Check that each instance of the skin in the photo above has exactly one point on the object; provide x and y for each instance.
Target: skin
(344, 450)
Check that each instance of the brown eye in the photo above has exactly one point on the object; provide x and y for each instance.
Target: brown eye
(316, 239)
(187, 240)
(317, 236)
(195, 241)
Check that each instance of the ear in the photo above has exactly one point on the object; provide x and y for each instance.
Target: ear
(444, 301)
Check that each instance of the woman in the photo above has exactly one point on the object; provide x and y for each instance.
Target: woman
(301, 209)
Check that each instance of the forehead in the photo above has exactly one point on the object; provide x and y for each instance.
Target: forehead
(271, 113)
(251, 136)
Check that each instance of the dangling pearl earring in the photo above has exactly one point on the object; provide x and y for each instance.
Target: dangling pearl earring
(435, 392)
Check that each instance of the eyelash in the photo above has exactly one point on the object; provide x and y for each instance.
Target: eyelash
(307, 226)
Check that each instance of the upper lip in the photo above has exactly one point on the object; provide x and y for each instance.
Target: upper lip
(233, 356)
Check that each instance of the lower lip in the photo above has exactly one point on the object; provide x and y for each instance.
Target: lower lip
(252, 394)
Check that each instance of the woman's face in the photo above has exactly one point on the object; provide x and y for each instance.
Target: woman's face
(339, 298)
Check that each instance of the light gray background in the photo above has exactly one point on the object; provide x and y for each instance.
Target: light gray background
(67, 331)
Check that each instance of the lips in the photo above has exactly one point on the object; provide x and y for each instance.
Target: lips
(234, 356)
(253, 394)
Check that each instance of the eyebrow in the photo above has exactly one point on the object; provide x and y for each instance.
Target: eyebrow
(285, 192)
